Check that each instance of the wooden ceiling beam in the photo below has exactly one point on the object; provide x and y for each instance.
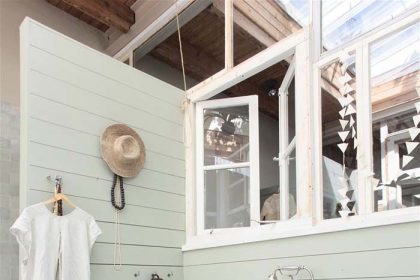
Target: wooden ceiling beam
(109, 12)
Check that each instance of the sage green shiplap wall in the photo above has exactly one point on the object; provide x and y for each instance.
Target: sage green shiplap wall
(379, 253)
(70, 94)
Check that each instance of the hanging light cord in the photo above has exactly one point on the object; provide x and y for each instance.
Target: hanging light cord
(186, 101)
(180, 49)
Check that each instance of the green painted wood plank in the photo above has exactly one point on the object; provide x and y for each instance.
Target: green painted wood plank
(53, 158)
(136, 255)
(95, 104)
(132, 215)
(359, 265)
(107, 272)
(92, 60)
(139, 235)
(69, 139)
(99, 189)
(376, 238)
(79, 120)
(41, 74)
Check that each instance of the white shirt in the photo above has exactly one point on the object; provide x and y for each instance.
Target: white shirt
(46, 238)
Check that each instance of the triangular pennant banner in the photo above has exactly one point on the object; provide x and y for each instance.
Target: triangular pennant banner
(414, 131)
(393, 184)
(344, 202)
(343, 147)
(351, 204)
(375, 182)
(345, 89)
(416, 120)
(342, 112)
(353, 132)
(343, 135)
(344, 213)
(342, 192)
(343, 101)
(349, 194)
(406, 160)
(417, 104)
(343, 123)
(402, 175)
(349, 99)
(411, 146)
(345, 78)
(351, 121)
(350, 110)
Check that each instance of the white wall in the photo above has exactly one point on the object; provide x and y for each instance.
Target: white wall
(12, 13)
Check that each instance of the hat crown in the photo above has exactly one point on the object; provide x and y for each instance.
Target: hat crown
(127, 147)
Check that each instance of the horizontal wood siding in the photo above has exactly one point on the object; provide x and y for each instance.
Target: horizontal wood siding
(387, 252)
(72, 93)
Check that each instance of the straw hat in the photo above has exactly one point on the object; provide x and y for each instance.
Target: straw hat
(123, 150)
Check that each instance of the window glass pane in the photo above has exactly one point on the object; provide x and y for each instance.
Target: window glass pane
(343, 21)
(226, 135)
(395, 65)
(296, 9)
(227, 198)
(339, 138)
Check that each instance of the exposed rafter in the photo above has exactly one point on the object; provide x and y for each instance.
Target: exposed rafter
(115, 13)
(208, 66)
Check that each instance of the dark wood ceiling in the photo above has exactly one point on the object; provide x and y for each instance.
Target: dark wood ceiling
(101, 14)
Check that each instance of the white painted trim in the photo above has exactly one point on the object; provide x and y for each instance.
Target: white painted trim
(384, 30)
(185, 15)
(226, 166)
(316, 24)
(229, 55)
(154, 27)
(303, 120)
(317, 167)
(253, 164)
(395, 110)
(364, 130)
(302, 227)
(190, 180)
(264, 59)
(284, 141)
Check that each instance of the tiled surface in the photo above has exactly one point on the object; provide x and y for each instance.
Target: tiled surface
(9, 189)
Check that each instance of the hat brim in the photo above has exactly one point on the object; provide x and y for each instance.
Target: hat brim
(120, 168)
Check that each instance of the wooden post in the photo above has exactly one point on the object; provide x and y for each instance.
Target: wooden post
(303, 135)
(364, 130)
(228, 34)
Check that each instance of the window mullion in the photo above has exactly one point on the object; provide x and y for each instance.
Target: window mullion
(283, 161)
(364, 130)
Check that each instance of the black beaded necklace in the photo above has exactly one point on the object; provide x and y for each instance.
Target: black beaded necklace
(116, 178)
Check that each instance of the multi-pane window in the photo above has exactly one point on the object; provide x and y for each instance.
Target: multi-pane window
(339, 137)
(395, 70)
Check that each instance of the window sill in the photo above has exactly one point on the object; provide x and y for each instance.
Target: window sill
(302, 227)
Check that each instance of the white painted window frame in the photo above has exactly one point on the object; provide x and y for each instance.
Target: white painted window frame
(296, 45)
(361, 47)
(253, 163)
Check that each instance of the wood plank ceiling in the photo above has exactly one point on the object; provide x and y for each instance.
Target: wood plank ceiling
(101, 14)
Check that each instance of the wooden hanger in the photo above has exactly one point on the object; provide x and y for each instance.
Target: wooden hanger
(60, 196)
